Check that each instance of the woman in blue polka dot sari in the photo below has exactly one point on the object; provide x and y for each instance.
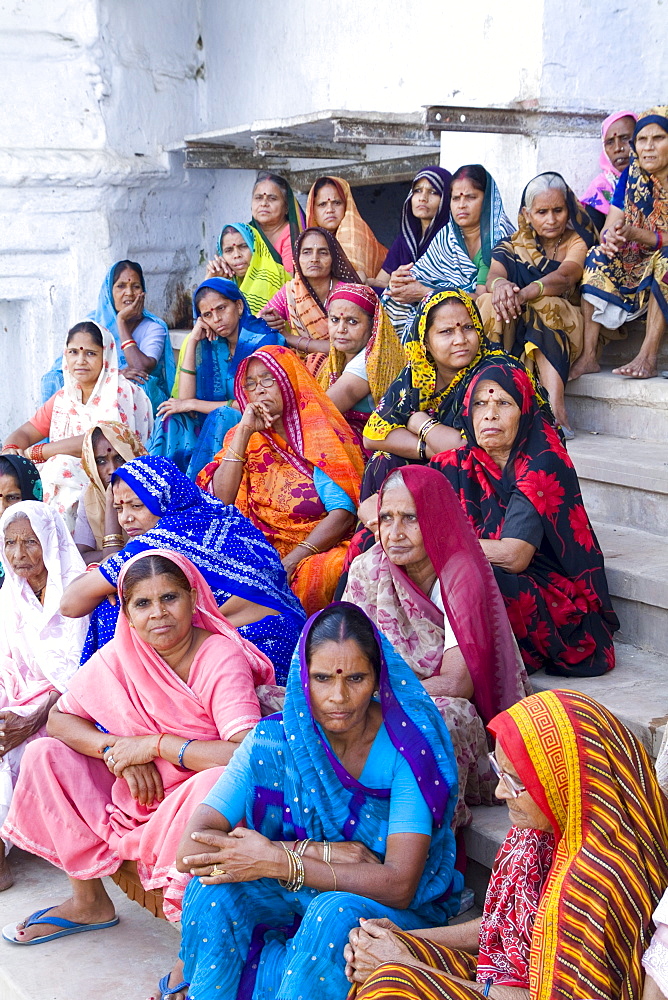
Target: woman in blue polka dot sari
(347, 799)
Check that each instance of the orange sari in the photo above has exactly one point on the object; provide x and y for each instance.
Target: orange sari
(277, 491)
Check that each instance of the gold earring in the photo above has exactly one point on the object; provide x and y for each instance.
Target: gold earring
(130, 624)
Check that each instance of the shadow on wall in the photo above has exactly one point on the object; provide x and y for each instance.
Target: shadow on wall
(179, 307)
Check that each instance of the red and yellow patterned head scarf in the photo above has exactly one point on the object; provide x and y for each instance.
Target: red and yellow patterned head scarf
(596, 784)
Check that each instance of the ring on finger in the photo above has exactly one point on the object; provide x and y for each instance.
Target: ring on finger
(216, 871)
(110, 760)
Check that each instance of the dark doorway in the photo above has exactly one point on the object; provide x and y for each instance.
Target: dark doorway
(380, 207)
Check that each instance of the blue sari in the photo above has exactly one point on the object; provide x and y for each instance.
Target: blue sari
(257, 939)
(159, 385)
(191, 440)
(230, 552)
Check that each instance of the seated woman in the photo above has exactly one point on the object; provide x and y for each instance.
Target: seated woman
(144, 351)
(292, 465)
(19, 480)
(616, 136)
(425, 212)
(518, 487)
(277, 216)
(532, 302)
(173, 694)
(429, 589)
(94, 390)
(460, 254)
(192, 424)
(106, 447)
(331, 206)
(365, 354)
(370, 809)
(413, 421)
(299, 309)
(244, 258)
(157, 507)
(569, 906)
(39, 648)
(628, 273)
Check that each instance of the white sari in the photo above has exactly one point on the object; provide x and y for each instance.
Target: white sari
(39, 648)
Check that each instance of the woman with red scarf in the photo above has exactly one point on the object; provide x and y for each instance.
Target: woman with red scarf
(517, 485)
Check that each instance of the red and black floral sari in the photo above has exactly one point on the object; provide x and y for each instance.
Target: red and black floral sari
(559, 607)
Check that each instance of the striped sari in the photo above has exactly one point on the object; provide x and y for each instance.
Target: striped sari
(595, 783)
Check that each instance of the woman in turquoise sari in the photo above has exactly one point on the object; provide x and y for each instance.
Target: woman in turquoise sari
(244, 256)
(202, 409)
(347, 800)
(145, 353)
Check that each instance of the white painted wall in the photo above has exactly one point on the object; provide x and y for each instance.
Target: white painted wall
(94, 91)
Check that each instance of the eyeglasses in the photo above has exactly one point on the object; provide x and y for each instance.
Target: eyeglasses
(251, 384)
(513, 786)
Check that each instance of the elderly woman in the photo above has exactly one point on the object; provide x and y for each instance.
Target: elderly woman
(106, 447)
(519, 489)
(194, 421)
(94, 390)
(355, 794)
(277, 216)
(331, 206)
(244, 258)
(532, 305)
(19, 480)
(460, 254)
(365, 354)
(172, 695)
(425, 212)
(429, 589)
(292, 466)
(413, 421)
(39, 648)
(568, 909)
(142, 341)
(299, 309)
(628, 273)
(157, 507)
(616, 135)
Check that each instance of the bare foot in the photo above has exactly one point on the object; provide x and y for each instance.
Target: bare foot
(642, 366)
(583, 366)
(175, 977)
(68, 910)
(6, 877)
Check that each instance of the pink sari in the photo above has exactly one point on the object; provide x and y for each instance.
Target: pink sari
(128, 689)
(476, 612)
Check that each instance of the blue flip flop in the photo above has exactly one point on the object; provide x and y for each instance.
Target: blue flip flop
(69, 927)
(166, 991)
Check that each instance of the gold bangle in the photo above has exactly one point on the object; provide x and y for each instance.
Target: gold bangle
(307, 545)
(541, 289)
(429, 429)
(333, 873)
(110, 540)
(499, 278)
(326, 851)
(231, 451)
(237, 461)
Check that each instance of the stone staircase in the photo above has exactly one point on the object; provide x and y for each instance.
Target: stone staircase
(621, 455)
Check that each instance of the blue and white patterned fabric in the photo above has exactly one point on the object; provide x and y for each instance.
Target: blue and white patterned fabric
(230, 552)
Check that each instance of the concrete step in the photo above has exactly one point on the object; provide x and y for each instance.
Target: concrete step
(618, 352)
(124, 961)
(623, 407)
(623, 482)
(636, 565)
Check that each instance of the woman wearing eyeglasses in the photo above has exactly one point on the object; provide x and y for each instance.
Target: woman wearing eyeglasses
(568, 910)
(292, 466)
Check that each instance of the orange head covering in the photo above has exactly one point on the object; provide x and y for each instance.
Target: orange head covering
(596, 784)
(317, 434)
(359, 244)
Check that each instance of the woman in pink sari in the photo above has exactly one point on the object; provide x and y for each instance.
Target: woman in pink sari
(138, 740)
(429, 589)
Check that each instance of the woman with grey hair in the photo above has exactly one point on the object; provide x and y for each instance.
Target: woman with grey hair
(532, 299)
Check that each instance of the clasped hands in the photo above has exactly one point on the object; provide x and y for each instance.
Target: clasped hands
(132, 759)
(371, 944)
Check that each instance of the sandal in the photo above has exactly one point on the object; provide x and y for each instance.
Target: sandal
(166, 991)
